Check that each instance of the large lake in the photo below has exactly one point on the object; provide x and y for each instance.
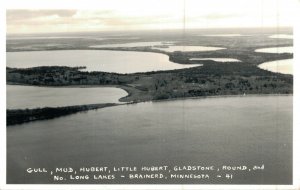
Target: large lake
(132, 44)
(21, 97)
(95, 60)
(284, 66)
(249, 130)
(163, 46)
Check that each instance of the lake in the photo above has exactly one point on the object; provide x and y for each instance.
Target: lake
(280, 66)
(276, 50)
(224, 35)
(215, 59)
(132, 44)
(22, 97)
(95, 60)
(187, 48)
(247, 130)
(168, 46)
(283, 36)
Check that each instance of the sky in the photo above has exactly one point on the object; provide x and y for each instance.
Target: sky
(116, 15)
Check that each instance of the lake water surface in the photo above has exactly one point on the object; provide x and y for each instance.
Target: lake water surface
(216, 59)
(283, 36)
(224, 35)
(280, 66)
(22, 97)
(187, 48)
(249, 130)
(133, 44)
(168, 46)
(276, 50)
(95, 60)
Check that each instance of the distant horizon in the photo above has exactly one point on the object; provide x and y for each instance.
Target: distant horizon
(157, 31)
(132, 15)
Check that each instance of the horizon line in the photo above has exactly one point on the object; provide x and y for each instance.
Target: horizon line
(156, 30)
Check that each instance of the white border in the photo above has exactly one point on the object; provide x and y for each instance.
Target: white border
(2, 99)
(90, 4)
(296, 103)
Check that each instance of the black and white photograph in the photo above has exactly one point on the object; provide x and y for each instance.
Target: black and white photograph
(161, 92)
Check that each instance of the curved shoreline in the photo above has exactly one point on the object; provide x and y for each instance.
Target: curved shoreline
(129, 93)
(212, 80)
(20, 116)
(148, 49)
(221, 96)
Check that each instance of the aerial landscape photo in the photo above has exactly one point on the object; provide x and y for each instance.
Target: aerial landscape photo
(155, 93)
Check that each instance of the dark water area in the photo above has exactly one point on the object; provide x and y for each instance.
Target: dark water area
(229, 131)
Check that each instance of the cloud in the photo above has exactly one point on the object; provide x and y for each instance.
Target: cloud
(155, 14)
(216, 16)
(21, 15)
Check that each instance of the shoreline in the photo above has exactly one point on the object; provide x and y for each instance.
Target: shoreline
(148, 49)
(162, 100)
(220, 96)
(20, 116)
(17, 117)
(79, 86)
(212, 80)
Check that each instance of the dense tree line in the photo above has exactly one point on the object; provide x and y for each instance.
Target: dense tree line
(18, 116)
